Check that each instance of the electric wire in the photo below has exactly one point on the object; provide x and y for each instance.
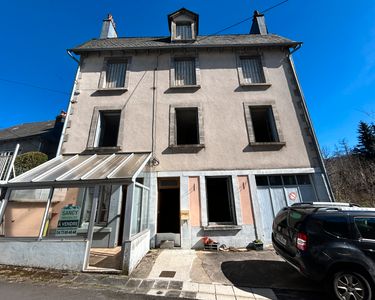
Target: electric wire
(243, 21)
(33, 86)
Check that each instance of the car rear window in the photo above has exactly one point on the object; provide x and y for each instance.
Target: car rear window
(295, 218)
(366, 227)
(337, 226)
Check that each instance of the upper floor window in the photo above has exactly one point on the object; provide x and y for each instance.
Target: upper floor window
(184, 31)
(263, 123)
(186, 128)
(107, 129)
(251, 71)
(185, 72)
(114, 74)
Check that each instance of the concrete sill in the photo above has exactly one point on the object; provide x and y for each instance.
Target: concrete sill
(221, 227)
(103, 149)
(255, 86)
(193, 86)
(267, 146)
(113, 89)
(186, 148)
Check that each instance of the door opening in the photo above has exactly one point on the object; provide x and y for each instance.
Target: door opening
(168, 220)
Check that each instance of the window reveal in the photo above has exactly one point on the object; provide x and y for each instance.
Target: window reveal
(263, 124)
(187, 126)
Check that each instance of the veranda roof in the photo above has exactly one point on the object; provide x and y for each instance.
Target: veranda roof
(83, 169)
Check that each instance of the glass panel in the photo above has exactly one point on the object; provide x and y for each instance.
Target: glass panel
(63, 169)
(289, 180)
(136, 211)
(24, 213)
(131, 166)
(69, 213)
(84, 169)
(275, 180)
(261, 180)
(145, 208)
(366, 227)
(337, 226)
(303, 179)
(108, 167)
(42, 169)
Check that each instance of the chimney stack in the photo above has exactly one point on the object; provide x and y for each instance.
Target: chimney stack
(108, 28)
(259, 24)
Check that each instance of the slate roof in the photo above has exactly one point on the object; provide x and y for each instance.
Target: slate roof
(212, 41)
(26, 130)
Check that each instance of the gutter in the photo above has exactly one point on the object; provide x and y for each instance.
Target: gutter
(309, 123)
(59, 148)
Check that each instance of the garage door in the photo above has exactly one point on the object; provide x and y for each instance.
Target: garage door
(277, 191)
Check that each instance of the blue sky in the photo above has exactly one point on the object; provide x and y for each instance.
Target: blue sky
(336, 64)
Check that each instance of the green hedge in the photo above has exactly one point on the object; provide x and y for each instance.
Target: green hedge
(28, 161)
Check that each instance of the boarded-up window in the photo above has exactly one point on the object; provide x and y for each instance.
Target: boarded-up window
(184, 71)
(115, 74)
(252, 70)
(183, 31)
(263, 124)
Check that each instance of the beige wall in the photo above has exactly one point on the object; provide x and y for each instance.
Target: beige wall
(226, 139)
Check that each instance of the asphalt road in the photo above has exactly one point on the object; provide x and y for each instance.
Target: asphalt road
(23, 291)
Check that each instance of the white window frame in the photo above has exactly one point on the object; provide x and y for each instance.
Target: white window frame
(103, 76)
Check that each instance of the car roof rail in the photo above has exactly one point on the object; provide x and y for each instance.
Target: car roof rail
(336, 204)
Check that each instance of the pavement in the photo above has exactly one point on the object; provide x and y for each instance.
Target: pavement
(184, 274)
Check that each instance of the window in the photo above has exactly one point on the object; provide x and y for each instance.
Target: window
(366, 227)
(184, 72)
(103, 205)
(187, 126)
(220, 200)
(114, 74)
(337, 226)
(107, 129)
(251, 70)
(184, 31)
(186, 132)
(264, 126)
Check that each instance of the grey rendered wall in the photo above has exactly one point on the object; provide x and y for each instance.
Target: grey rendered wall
(222, 98)
(62, 255)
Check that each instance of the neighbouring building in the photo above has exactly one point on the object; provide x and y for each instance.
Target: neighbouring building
(170, 138)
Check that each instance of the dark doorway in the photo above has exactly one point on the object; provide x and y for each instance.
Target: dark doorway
(122, 216)
(168, 206)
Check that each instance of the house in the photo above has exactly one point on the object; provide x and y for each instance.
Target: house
(36, 136)
(172, 138)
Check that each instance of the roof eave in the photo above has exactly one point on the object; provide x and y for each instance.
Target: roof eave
(192, 46)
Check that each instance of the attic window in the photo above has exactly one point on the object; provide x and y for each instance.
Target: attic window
(184, 31)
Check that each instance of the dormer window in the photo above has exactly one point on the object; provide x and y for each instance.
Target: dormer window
(184, 31)
(183, 25)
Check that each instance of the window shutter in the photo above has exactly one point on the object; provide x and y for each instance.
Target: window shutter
(252, 70)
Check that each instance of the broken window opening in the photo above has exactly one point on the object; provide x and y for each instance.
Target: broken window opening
(264, 124)
(108, 128)
(220, 200)
(187, 126)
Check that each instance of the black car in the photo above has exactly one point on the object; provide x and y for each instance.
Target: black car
(333, 242)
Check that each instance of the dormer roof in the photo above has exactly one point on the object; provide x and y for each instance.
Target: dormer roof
(183, 11)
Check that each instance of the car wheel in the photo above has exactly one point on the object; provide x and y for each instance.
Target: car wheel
(350, 285)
